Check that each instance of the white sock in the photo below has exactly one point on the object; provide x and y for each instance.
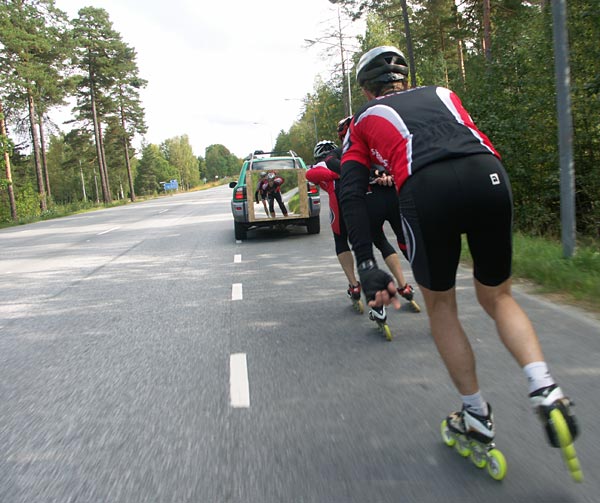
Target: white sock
(475, 403)
(538, 376)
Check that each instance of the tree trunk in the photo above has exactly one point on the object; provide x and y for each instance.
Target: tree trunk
(127, 160)
(460, 47)
(129, 175)
(103, 154)
(36, 152)
(443, 47)
(97, 133)
(409, 45)
(10, 188)
(44, 158)
(487, 31)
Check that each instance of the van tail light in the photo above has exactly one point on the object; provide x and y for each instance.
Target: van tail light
(312, 188)
(239, 194)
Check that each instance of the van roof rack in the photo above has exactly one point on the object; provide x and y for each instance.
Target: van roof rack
(275, 153)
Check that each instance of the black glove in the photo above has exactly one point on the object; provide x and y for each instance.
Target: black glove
(373, 279)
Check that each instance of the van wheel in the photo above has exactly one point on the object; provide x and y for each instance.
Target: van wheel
(313, 225)
(240, 231)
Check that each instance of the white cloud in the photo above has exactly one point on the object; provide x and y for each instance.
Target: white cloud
(220, 71)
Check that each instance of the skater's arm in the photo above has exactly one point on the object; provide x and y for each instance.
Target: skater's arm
(334, 163)
(353, 183)
(320, 173)
(378, 285)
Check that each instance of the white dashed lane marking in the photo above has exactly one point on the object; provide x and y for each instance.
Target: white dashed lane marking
(237, 259)
(106, 232)
(236, 291)
(239, 387)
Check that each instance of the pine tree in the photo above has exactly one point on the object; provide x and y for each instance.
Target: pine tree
(34, 44)
(97, 56)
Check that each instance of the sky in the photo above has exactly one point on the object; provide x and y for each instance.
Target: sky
(224, 72)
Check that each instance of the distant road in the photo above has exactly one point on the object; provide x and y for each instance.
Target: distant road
(145, 356)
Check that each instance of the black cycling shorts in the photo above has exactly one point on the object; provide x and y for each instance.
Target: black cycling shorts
(341, 239)
(382, 205)
(440, 202)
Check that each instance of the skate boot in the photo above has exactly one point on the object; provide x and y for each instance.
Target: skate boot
(408, 292)
(379, 316)
(354, 295)
(554, 410)
(473, 436)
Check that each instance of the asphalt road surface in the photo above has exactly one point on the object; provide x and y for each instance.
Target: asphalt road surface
(146, 356)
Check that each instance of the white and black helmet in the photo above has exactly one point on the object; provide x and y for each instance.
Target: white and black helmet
(381, 64)
(323, 148)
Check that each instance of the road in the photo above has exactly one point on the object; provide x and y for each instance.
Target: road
(145, 356)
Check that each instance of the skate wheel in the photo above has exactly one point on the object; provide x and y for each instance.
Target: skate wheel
(359, 307)
(387, 332)
(447, 437)
(415, 307)
(462, 447)
(496, 464)
(478, 458)
(565, 440)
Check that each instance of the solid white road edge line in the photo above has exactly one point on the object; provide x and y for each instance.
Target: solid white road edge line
(239, 387)
(236, 291)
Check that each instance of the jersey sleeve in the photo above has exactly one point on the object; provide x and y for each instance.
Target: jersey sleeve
(321, 173)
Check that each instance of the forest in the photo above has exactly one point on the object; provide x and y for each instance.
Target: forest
(498, 56)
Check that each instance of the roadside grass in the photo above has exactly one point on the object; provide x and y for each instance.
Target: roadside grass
(540, 262)
(294, 204)
(64, 210)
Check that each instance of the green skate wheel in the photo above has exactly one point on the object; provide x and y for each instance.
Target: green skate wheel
(447, 437)
(359, 307)
(566, 444)
(560, 427)
(462, 449)
(387, 332)
(479, 457)
(496, 464)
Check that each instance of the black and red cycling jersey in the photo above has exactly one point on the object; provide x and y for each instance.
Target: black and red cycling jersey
(266, 188)
(404, 131)
(326, 174)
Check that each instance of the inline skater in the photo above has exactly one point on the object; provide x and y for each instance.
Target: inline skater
(272, 189)
(450, 182)
(382, 203)
(261, 193)
(326, 174)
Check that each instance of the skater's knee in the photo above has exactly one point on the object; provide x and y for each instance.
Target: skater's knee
(440, 303)
(491, 297)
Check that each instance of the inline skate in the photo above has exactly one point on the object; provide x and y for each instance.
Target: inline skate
(379, 316)
(408, 292)
(472, 436)
(554, 410)
(354, 295)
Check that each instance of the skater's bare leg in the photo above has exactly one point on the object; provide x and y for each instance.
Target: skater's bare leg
(346, 260)
(393, 263)
(513, 325)
(450, 339)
